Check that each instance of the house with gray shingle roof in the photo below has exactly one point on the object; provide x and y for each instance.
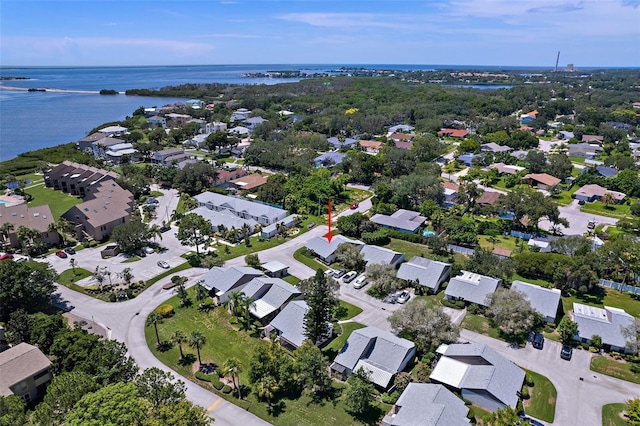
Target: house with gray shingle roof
(328, 159)
(245, 209)
(402, 220)
(221, 282)
(337, 143)
(289, 325)
(473, 288)
(374, 255)
(545, 301)
(24, 372)
(378, 352)
(269, 296)
(425, 272)
(401, 128)
(608, 323)
(494, 147)
(482, 375)
(427, 404)
(325, 250)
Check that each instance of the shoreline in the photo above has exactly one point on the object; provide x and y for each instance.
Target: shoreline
(26, 89)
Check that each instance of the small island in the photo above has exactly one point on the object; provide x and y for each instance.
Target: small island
(108, 92)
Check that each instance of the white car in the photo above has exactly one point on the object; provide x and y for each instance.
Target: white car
(148, 250)
(163, 264)
(329, 273)
(360, 282)
(350, 276)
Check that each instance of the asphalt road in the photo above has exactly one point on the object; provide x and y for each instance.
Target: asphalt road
(578, 220)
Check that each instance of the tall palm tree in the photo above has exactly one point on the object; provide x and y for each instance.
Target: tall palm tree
(245, 306)
(608, 199)
(126, 276)
(232, 368)
(154, 318)
(197, 340)
(154, 231)
(266, 388)
(178, 337)
(72, 263)
(201, 291)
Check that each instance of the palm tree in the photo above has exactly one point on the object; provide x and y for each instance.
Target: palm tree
(154, 231)
(608, 199)
(98, 275)
(179, 338)
(245, 306)
(235, 299)
(197, 340)
(154, 318)
(201, 291)
(266, 388)
(126, 276)
(232, 368)
(6, 230)
(72, 263)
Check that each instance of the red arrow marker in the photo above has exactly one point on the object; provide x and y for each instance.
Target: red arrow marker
(329, 235)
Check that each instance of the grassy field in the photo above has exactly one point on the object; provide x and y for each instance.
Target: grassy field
(537, 281)
(291, 279)
(69, 279)
(351, 310)
(413, 249)
(477, 412)
(611, 415)
(223, 342)
(481, 325)
(300, 256)
(542, 404)
(566, 197)
(615, 210)
(58, 201)
(613, 368)
(509, 243)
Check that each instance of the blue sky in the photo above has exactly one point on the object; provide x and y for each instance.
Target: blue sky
(456, 32)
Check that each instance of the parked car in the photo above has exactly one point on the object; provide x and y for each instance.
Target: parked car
(163, 264)
(141, 253)
(70, 250)
(390, 298)
(148, 250)
(566, 352)
(6, 256)
(61, 254)
(529, 420)
(165, 229)
(360, 282)
(329, 272)
(350, 277)
(339, 273)
(404, 297)
(354, 206)
(537, 341)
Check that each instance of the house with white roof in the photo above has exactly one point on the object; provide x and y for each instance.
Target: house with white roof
(221, 282)
(220, 219)
(270, 231)
(405, 128)
(402, 220)
(473, 288)
(378, 352)
(325, 250)
(427, 404)
(374, 255)
(269, 296)
(608, 323)
(289, 325)
(483, 376)
(101, 146)
(275, 269)
(244, 209)
(545, 301)
(117, 152)
(425, 272)
(113, 130)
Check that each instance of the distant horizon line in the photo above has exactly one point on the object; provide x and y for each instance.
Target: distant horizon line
(441, 66)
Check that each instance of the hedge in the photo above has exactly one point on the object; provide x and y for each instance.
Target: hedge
(226, 389)
(211, 378)
(165, 310)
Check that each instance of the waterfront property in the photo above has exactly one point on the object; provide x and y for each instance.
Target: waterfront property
(38, 218)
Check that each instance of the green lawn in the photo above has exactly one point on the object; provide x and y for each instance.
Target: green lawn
(414, 249)
(58, 201)
(300, 256)
(69, 279)
(566, 197)
(181, 267)
(542, 404)
(611, 415)
(481, 325)
(291, 279)
(608, 297)
(537, 281)
(613, 368)
(351, 310)
(477, 412)
(332, 349)
(615, 210)
(509, 243)
(223, 342)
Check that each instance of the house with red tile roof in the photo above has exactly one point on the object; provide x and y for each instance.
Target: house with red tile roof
(541, 180)
(453, 133)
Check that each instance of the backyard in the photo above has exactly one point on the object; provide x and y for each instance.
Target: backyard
(58, 201)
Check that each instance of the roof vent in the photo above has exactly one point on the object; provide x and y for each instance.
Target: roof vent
(36, 214)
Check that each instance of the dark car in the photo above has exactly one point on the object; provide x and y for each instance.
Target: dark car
(537, 341)
(165, 229)
(339, 273)
(566, 352)
(70, 250)
(61, 254)
(529, 420)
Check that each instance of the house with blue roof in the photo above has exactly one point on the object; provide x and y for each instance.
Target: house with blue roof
(605, 171)
(328, 159)
(467, 158)
(338, 144)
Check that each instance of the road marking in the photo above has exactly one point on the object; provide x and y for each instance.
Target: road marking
(214, 405)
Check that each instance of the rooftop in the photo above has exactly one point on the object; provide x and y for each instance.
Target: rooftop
(18, 363)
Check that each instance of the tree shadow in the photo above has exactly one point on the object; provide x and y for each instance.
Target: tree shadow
(276, 408)
(187, 359)
(320, 398)
(371, 416)
(164, 346)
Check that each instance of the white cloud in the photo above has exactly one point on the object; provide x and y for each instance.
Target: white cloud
(350, 20)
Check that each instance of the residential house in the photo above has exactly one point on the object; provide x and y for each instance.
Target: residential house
(221, 282)
(401, 137)
(427, 404)
(450, 191)
(494, 147)
(526, 118)
(472, 288)
(378, 352)
(506, 168)
(593, 192)
(607, 172)
(24, 372)
(374, 255)
(371, 147)
(404, 128)
(75, 178)
(86, 144)
(249, 182)
(240, 114)
(520, 154)
(175, 120)
(584, 150)
(541, 245)
(608, 323)
(195, 103)
(111, 131)
(501, 253)
(38, 218)
(338, 144)
(225, 176)
(197, 141)
(268, 296)
(565, 135)
(101, 146)
(168, 157)
(105, 206)
(403, 145)
(402, 220)
(453, 133)
(541, 180)
(275, 269)
(157, 121)
(483, 376)
(117, 153)
(619, 125)
(224, 219)
(545, 301)
(325, 250)
(425, 272)
(328, 159)
(593, 139)
(289, 325)
(468, 158)
(245, 209)
(488, 198)
(216, 126)
(239, 131)
(253, 122)
(271, 231)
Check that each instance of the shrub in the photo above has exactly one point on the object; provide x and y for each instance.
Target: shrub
(528, 380)
(525, 393)
(112, 297)
(390, 398)
(226, 389)
(129, 293)
(458, 304)
(635, 368)
(165, 310)
(473, 308)
(92, 288)
(593, 350)
(194, 260)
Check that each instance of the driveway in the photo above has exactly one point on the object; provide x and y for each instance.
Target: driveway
(578, 220)
(579, 402)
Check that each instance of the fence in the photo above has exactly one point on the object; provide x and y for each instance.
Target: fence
(461, 250)
(620, 286)
(522, 235)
